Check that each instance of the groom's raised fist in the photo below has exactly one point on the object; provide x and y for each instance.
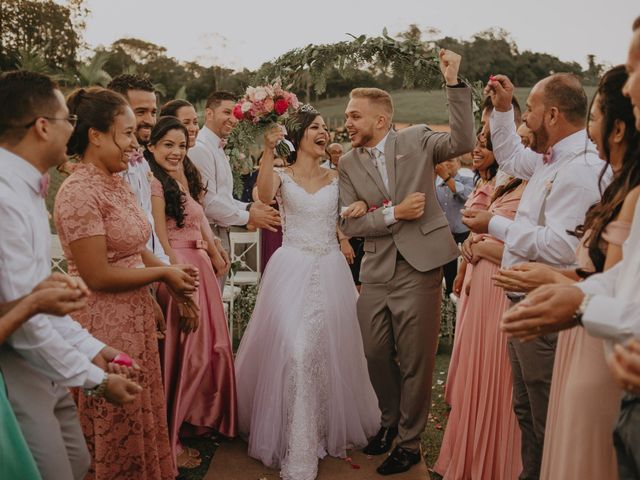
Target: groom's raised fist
(450, 65)
(411, 208)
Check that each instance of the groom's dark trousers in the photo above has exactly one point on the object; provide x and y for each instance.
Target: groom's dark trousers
(403, 312)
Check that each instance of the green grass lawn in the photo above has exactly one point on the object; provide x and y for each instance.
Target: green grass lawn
(411, 106)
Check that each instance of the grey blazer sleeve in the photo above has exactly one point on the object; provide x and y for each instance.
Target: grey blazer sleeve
(461, 140)
(371, 224)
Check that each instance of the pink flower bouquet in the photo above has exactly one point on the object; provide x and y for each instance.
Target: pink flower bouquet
(263, 106)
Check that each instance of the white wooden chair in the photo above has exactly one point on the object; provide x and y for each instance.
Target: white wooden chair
(241, 243)
(58, 260)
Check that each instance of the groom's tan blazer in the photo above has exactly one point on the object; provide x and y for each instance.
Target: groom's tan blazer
(410, 156)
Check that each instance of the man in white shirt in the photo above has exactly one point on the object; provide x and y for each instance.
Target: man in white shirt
(47, 354)
(140, 93)
(606, 305)
(563, 177)
(220, 208)
(335, 151)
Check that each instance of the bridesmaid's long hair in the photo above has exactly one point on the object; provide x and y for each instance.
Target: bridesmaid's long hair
(174, 198)
(615, 108)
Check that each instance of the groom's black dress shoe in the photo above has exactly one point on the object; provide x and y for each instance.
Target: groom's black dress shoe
(381, 443)
(400, 460)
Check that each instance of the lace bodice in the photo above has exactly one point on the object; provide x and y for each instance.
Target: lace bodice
(309, 220)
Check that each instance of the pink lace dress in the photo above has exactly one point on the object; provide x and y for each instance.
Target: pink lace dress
(198, 369)
(127, 442)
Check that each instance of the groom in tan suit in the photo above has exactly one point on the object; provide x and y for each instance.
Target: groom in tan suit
(407, 240)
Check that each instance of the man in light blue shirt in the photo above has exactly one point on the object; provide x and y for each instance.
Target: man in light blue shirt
(453, 189)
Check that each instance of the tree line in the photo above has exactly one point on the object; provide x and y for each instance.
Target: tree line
(46, 36)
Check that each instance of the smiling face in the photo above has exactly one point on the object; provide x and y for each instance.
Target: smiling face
(315, 138)
(596, 128)
(117, 144)
(144, 107)
(170, 150)
(366, 122)
(632, 86)
(535, 117)
(189, 118)
(482, 157)
(61, 131)
(220, 119)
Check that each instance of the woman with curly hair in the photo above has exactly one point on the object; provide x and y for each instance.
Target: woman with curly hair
(198, 371)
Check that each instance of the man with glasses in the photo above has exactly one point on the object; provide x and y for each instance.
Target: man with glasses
(47, 354)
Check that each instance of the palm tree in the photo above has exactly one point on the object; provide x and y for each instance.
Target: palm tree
(93, 73)
(32, 61)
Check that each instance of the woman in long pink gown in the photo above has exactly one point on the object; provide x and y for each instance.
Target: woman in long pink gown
(482, 438)
(584, 399)
(103, 233)
(486, 167)
(198, 369)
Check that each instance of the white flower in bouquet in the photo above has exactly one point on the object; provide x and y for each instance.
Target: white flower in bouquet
(261, 94)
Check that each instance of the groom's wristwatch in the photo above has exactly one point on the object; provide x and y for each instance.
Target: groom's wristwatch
(248, 207)
(577, 316)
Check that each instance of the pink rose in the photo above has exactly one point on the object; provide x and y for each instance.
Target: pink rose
(268, 105)
(281, 106)
(237, 111)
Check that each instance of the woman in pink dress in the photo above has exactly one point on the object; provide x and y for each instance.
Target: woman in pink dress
(103, 233)
(482, 438)
(199, 377)
(584, 399)
(486, 168)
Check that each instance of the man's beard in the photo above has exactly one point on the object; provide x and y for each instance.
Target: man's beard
(540, 142)
(364, 139)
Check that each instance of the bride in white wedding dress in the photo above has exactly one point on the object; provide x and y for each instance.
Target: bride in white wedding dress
(302, 380)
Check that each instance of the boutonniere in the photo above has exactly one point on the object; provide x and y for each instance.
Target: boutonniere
(549, 184)
(386, 204)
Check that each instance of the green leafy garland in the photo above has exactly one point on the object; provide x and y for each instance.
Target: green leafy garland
(414, 61)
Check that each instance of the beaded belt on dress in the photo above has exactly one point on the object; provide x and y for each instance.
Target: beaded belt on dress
(318, 250)
(189, 244)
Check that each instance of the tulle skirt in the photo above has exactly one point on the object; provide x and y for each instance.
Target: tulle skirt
(303, 386)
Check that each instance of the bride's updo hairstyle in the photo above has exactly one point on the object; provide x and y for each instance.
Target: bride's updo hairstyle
(303, 117)
(96, 108)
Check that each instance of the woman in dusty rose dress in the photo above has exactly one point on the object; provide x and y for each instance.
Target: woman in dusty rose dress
(103, 233)
(486, 168)
(584, 399)
(482, 438)
(198, 370)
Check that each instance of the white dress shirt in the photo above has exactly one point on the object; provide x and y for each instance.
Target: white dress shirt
(378, 159)
(138, 176)
(220, 207)
(614, 310)
(58, 347)
(555, 200)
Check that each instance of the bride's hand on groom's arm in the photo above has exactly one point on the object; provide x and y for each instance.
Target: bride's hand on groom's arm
(355, 210)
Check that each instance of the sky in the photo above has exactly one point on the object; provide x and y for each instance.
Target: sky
(243, 33)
